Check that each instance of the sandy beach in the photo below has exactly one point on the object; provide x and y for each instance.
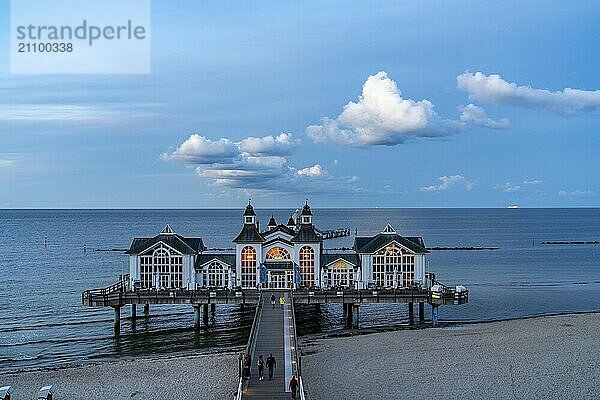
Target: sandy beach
(177, 378)
(555, 357)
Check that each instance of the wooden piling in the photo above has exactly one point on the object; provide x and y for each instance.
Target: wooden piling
(196, 317)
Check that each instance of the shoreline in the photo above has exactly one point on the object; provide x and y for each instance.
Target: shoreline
(546, 356)
(465, 359)
(304, 338)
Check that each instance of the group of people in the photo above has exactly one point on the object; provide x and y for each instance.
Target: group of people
(281, 301)
(270, 363)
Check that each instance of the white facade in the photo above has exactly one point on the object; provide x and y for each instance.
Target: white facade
(284, 255)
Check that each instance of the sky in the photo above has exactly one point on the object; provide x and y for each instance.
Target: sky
(348, 104)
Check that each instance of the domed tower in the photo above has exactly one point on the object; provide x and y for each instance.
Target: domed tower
(248, 245)
(306, 215)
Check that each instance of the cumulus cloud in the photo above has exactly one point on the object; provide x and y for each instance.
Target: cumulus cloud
(575, 193)
(254, 164)
(315, 170)
(475, 115)
(380, 117)
(281, 144)
(493, 89)
(201, 150)
(449, 182)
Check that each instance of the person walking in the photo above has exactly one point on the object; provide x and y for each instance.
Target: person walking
(247, 365)
(261, 368)
(281, 301)
(271, 364)
(293, 386)
(273, 300)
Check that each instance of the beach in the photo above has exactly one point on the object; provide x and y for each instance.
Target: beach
(544, 357)
(212, 376)
(553, 357)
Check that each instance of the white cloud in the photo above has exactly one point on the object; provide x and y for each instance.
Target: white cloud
(475, 115)
(532, 182)
(4, 163)
(201, 150)
(508, 187)
(315, 170)
(448, 182)
(380, 117)
(254, 164)
(576, 193)
(493, 89)
(281, 144)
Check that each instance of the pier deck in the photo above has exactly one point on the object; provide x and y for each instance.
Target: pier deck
(274, 334)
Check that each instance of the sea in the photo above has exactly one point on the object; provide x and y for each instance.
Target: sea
(49, 257)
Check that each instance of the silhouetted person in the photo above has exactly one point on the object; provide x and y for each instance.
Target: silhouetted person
(293, 386)
(271, 364)
(247, 364)
(273, 300)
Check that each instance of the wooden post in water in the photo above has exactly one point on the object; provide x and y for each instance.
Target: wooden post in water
(117, 321)
(355, 313)
(421, 311)
(213, 308)
(196, 317)
(411, 312)
(205, 314)
(146, 310)
(133, 313)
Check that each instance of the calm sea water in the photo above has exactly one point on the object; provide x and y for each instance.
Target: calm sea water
(42, 321)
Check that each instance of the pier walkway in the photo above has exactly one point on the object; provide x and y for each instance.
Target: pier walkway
(274, 332)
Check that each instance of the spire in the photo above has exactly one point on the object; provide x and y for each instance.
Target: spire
(167, 230)
(272, 222)
(249, 209)
(291, 223)
(306, 214)
(249, 214)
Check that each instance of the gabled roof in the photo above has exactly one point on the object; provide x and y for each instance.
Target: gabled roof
(249, 234)
(329, 258)
(204, 258)
(278, 239)
(279, 228)
(307, 234)
(181, 244)
(367, 245)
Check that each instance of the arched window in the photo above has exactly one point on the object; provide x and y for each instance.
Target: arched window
(386, 263)
(278, 253)
(248, 267)
(161, 268)
(217, 275)
(307, 266)
(341, 275)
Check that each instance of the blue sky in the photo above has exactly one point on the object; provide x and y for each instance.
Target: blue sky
(351, 104)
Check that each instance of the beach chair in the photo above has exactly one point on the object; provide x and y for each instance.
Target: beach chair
(46, 393)
(5, 392)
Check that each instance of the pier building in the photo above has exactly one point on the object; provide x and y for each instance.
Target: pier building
(284, 256)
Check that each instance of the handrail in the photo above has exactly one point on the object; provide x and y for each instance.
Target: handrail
(249, 347)
(296, 351)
